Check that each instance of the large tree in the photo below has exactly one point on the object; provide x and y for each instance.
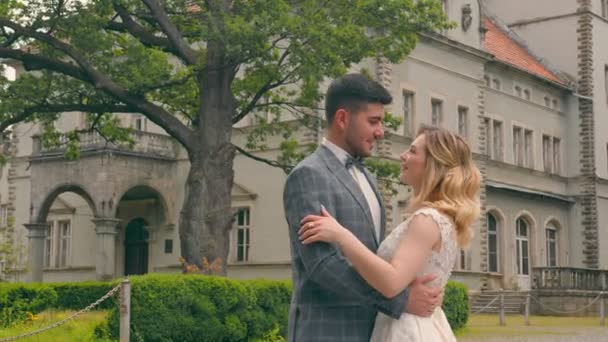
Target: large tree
(194, 68)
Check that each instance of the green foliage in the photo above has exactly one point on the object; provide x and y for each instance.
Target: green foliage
(75, 296)
(204, 308)
(456, 304)
(283, 51)
(17, 301)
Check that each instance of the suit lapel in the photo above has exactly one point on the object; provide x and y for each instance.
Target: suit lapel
(338, 169)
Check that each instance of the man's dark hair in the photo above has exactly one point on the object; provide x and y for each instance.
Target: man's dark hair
(351, 92)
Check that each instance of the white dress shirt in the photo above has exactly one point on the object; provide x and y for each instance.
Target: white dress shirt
(366, 188)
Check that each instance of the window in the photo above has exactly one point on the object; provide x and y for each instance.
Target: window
(517, 146)
(486, 79)
(547, 153)
(488, 135)
(57, 244)
(141, 124)
(408, 112)
(527, 94)
(556, 156)
(555, 104)
(494, 138)
(606, 80)
(522, 147)
(437, 109)
(522, 247)
(64, 243)
(463, 117)
(497, 140)
(551, 237)
(4, 216)
(547, 101)
(242, 231)
(492, 244)
(48, 246)
(551, 154)
(496, 83)
(463, 260)
(168, 246)
(528, 149)
(518, 91)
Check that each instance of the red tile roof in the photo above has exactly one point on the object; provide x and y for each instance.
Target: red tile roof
(508, 50)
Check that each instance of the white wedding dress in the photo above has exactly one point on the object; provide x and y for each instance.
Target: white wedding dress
(412, 328)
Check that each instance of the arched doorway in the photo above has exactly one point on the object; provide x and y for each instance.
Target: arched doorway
(136, 247)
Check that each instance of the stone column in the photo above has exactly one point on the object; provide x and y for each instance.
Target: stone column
(36, 235)
(105, 261)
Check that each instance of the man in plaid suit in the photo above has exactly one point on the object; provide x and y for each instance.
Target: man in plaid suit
(331, 302)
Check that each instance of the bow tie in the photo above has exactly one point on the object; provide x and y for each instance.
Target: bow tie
(356, 162)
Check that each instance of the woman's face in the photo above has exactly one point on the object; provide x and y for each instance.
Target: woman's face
(413, 162)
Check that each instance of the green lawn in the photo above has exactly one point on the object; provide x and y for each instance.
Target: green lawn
(480, 326)
(79, 329)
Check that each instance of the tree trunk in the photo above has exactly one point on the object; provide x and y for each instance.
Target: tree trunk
(206, 217)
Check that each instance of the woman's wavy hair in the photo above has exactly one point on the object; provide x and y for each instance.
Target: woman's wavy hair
(451, 182)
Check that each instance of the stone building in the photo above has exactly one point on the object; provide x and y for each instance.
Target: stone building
(525, 84)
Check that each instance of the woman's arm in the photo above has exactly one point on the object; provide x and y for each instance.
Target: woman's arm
(388, 278)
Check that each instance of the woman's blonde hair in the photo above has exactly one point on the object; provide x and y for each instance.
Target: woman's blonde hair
(451, 182)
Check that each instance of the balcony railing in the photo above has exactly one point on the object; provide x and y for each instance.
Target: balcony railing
(145, 143)
(569, 278)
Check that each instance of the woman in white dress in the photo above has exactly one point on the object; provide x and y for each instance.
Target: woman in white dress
(439, 167)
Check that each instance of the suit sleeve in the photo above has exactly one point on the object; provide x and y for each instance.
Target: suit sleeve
(306, 190)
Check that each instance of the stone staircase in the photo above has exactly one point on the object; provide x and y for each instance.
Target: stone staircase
(483, 302)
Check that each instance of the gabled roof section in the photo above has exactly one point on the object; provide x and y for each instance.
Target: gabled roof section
(508, 48)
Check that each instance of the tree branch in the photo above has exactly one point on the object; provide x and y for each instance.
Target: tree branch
(88, 73)
(263, 90)
(184, 51)
(37, 62)
(286, 168)
(146, 37)
(49, 108)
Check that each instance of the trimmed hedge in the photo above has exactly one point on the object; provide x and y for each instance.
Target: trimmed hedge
(177, 307)
(17, 301)
(76, 296)
(456, 304)
(203, 308)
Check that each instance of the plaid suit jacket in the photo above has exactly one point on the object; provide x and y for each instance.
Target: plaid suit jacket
(331, 301)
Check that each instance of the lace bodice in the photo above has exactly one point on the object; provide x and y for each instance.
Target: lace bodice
(440, 262)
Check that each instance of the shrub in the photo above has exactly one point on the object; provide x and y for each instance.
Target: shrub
(76, 296)
(456, 304)
(19, 300)
(204, 308)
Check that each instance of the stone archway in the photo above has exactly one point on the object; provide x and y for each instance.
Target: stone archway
(145, 232)
(50, 243)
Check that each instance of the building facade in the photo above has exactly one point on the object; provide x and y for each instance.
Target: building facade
(524, 84)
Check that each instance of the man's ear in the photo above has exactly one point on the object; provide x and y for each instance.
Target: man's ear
(342, 118)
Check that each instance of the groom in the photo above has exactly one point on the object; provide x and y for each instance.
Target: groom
(331, 302)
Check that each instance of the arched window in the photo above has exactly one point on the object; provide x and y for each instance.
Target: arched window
(552, 239)
(493, 244)
(522, 245)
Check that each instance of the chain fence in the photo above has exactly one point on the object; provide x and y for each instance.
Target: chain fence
(90, 307)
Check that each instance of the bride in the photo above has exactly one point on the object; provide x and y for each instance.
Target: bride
(440, 169)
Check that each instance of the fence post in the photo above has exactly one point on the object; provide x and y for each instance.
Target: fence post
(125, 310)
(502, 308)
(527, 310)
(602, 309)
